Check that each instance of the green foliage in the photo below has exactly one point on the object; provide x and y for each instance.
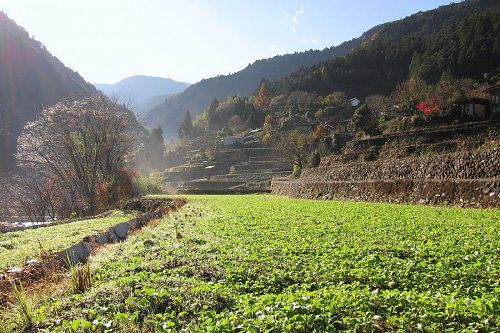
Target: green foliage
(186, 127)
(154, 147)
(144, 185)
(297, 170)
(29, 244)
(364, 120)
(263, 263)
(267, 139)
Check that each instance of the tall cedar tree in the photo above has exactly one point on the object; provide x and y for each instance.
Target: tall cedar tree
(186, 128)
(155, 149)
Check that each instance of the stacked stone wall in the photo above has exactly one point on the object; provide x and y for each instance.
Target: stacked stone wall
(457, 165)
(482, 164)
(466, 193)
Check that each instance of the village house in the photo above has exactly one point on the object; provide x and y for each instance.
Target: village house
(354, 102)
(303, 126)
(344, 126)
(478, 108)
(233, 140)
(494, 92)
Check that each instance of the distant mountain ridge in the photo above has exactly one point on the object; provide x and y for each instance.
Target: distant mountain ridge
(30, 78)
(196, 98)
(141, 91)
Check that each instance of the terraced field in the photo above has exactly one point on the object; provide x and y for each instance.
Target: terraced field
(16, 247)
(259, 263)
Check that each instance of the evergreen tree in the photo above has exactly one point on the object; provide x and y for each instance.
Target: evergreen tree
(155, 149)
(186, 128)
(211, 113)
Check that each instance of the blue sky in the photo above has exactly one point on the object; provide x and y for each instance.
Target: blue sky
(107, 40)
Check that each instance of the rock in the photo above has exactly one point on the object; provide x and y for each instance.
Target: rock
(102, 239)
(121, 230)
(32, 261)
(14, 270)
(77, 253)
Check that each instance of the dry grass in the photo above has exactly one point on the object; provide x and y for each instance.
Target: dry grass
(80, 276)
(23, 308)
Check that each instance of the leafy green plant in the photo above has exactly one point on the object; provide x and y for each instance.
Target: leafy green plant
(260, 263)
(42, 242)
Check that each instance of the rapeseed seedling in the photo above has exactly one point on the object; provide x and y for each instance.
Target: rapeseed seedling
(264, 263)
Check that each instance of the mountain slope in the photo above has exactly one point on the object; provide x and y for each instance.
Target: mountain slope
(139, 89)
(196, 98)
(30, 77)
(460, 39)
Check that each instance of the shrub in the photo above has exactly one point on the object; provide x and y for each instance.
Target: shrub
(267, 139)
(143, 185)
(297, 170)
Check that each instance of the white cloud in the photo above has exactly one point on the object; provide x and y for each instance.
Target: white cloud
(312, 40)
(298, 13)
(292, 21)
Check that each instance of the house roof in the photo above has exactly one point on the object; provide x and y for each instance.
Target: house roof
(257, 130)
(493, 87)
(352, 99)
(482, 101)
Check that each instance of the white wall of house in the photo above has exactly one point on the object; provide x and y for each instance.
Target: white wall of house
(231, 140)
(355, 102)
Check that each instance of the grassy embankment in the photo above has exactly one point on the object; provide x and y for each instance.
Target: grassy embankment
(264, 263)
(16, 247)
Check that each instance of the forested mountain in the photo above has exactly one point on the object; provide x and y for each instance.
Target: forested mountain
(141, 91)
(196, 98)
(30, 77)
(460, 39)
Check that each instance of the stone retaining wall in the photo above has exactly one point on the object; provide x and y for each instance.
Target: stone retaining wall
(483, 164)
(467, 193)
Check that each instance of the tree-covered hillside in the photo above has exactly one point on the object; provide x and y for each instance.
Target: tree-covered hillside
(195, 98)
(460, 39)
(30, 77)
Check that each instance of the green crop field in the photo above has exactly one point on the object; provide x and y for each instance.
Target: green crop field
(17, 247)
(259, 263)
